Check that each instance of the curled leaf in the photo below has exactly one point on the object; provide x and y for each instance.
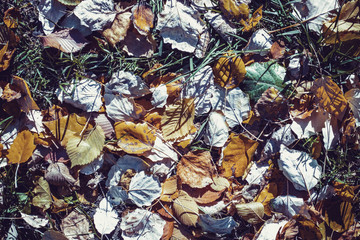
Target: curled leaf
(143, 18)
(252, 212)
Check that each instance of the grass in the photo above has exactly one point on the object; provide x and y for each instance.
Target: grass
(45, 69)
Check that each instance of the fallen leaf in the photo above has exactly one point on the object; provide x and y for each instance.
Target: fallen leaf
(233, 10)
(85, 149)
(259, 43)
(105, 218)
(252, 212)
(42, 198)
(53, 235)
(95, 165)
(203, 196)
(169, 187)
(299, 168)
(11, 93)
(277, 50)
(34, 221)
(221, 25)
(196, 169)
(144, 189)
(186, 209)
(300, 226)
(58, 174)
(229, 71)
(283, 135)
(161, 150)
(271, 105)
(95, 14)
(134, 138)
(218, 226)
(219, 184)
(329, 96)
(70, 2)
(50, 12)
(353, 98)
(287, 205)
(237, 155)
(76, 226)
(118, 29)
(142, 224)
(182, 232)
(217, 131)
(249, 24)
(67, 40)
(270, 191)
(180, 26)
(178, 119)
(143, 18)
(116, 195)
(12, 17)
(344, 191)
(139, 45)
(22, 148)
(270, 229)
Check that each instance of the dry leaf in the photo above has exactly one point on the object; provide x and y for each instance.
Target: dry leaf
(249, 24)
(58, 174)
(67, 40)
(218, 226)
(134, 138)
(10, 92)
(84, 149)
(161, 151)
(217, 130)
(178, 119)
(118, 30)
(233, 10)
(143, 18)
(237, 155)
(169, 187)
(221, 25)
(299, 227)
(271, 104)
(22, 148)
(5, 57)
(50, 12)
(105, 217)
(252, 212)
(139, 45)
(287, 205)
(277, 50)
(186, 209)
(196, 169)
(34, 221)
(70, 2)
(229, 71)
(42, 198)
(329, 96)
(219, 184)
(269, 192)
(75, 226)
(12, 17)
(144, 189)
(259, 43)
(203, 196)
(353, 97)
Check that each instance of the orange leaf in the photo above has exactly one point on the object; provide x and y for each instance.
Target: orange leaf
(134, 138)
(229, 71)
(329, 96)
(195, 169)
(22, 148)
(253, 21)
(237, 155)
(143, 18)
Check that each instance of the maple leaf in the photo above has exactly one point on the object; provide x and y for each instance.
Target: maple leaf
(22, 148)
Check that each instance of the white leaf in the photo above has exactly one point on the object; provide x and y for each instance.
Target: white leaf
(12, 233)
(280, 136)
(163, 168)
(330, 133)
(127, 84)
(120, 108)
(142, 224)
(50, 12)
(93, 166)
(9, 134)
(270, 229)
(124, 163)
(256, 173)
(116, 195)
(144, 189)
(299, 168)
(95, 14)
(288, 205)
(180, 26)
(84, 94)
(159, 96)
(34, 121)
(259, 43)
(34, 221)
(66, 40)
(218, 226)
(105, 218)
(203, 4)
(353, 97)
(213, 209)
(306, 127)
(221, 25)
(161, 151)
(217, 131)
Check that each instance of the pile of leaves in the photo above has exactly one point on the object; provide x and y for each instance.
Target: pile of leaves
(225, 129)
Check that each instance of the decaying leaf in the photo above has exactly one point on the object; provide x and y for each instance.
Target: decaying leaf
(76, 226)
(50, 12)
(22, 148)
(196, 169)
(118, 30)
(144, 189)
(270, 229)
(233, 10)
(237, 155)
(229, 71)
(252, 212)
(271, 105)
(134, 138)
(203, 196)
(249, 24)
(219, 226)
(42, 198)
(67, 40)
(58, 174)
(269, 192)
(217, 131)
(143, 18)
(180, 26)
(329, 96)
(85, 149)
(186, 209)
(353, 97)
(178, 119)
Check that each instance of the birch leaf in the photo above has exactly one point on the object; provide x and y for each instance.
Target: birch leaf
(329, 96)
(353, 97)
(143, 18)
(288, 205)
(218, 226)
(50, 12)
(229, 71)
(237, 155)
(221, 25)
(95, 14)
(217, 131)
(134, 138)
(186, 209)
(180, 26)
(105, 217)
(22, 148)
(178, 119)
(161, 151)
(139, 45)
(42, 198)
(259, 43)
(84, 150)
(144, 189)
(34, 221)
(120, 108)
(67, 40)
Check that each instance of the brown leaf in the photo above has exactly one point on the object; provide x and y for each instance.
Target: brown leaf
(339, 214)
(76, 226)
(143, 18)
(12, 17)
(277, 50)
(67, 40)
(229, 71)
(22, 148)
(271, 191)
(169, 187)
(329, 96)
(134, 138)
(186, 209)
(178, 119)
(271, 104)
(300, 227)
(237, 155)
(11, 93)
(196, 169)
(252, 212)
(219, 184)
(203, 196)
(139, 45)
(42, 198)
(232, 10)
(249, 24)
(118, 30)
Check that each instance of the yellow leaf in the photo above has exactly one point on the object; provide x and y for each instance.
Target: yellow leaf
(143, 18)
(22, 148)
(234, 11)
(169, 187)
(186, 209)
(237, 155)
(178, 119)
(66, 127)
(339, 215)
(252, 212)
(344, 191)
(85, 149)
(329, 96)
(42, 198)
(11, 17)
(220, 184)
(5, 57)
(268, 193)
(229, 71)
(253, 21)
(134, 138)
